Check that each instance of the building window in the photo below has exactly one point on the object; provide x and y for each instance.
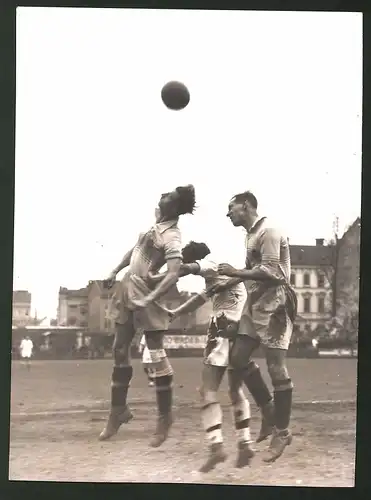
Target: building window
(72, 306)
(307, 328)
(293, 279)
(72, 321)
(306, 279)
(307, 304)
(321, 305)
(320, 280)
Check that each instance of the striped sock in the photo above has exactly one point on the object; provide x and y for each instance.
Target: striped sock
(241, 412)
(212, 422)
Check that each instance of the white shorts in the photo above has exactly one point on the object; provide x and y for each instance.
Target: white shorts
(218, 348)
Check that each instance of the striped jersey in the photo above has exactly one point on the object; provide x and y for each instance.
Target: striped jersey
(231, 301)
(155, 247)
(267, 248)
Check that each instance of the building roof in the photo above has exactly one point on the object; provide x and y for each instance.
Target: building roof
(317, 255)
(310, 255)
(21, 296)
(350, 228)
(82, 292)
(173, 293)
(103, 290)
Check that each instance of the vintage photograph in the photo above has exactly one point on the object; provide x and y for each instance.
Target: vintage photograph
(186, 246)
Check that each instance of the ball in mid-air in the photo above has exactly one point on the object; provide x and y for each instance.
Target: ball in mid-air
(175, 95)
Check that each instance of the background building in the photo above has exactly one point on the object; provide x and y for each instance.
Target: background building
(91, 307)
(21, 308)
(72, 307)
(325, 277)
(99, 304)
(310, 279)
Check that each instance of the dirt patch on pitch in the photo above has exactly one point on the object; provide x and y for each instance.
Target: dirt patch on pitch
(67, 449)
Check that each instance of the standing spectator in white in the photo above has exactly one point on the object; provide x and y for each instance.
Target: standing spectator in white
(26, 348)
(146, 360)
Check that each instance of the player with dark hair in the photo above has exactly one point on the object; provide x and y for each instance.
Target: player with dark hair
(268, 315)
(227, 309)
(137, 306)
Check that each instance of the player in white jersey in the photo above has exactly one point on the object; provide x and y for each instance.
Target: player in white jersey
(227, 310)
(25, 349)
(146, 360)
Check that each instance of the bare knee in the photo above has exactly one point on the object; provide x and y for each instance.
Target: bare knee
(236, 396)
(252, 367)
(208, 397)
(235, 386)
(241, 352)
(121, 346)
(276, 364)
(121, 354)
(277, 370)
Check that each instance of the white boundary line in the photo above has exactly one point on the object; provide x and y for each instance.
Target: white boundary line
(57, 413)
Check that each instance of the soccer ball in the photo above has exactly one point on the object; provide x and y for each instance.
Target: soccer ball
(175, 95)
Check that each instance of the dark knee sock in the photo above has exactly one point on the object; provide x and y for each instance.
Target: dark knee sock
(164, 394)
(255, 384)
(282, 403)
(121, 377)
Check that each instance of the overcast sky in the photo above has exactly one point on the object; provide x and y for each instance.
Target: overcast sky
(276, 103)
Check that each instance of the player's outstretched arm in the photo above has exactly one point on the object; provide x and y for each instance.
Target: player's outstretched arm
(185, 270)
(191, 305)
(221, 287)
(270, 242)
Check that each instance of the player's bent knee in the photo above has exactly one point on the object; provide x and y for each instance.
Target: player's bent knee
(240, 355)
(236, 396)
(209, 397)
(238, 361)
(282, 384)
(278, 371)
(252, 366)
(120, 355)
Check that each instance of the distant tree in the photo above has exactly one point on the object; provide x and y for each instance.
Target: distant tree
(328, 268)
(344, 303)
(347, 311)
(36, 321)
